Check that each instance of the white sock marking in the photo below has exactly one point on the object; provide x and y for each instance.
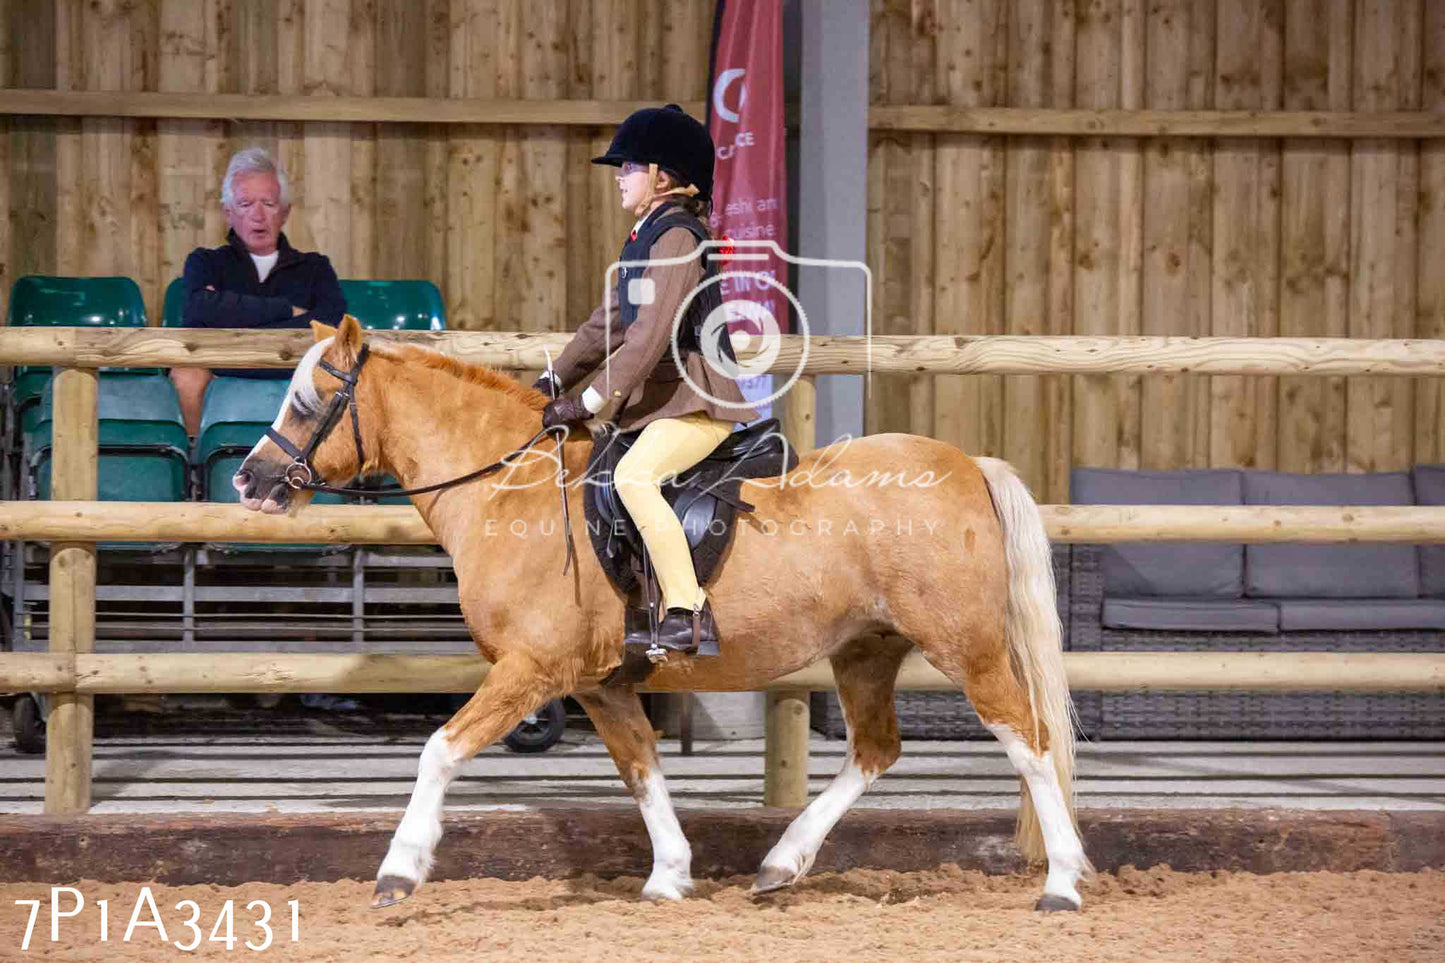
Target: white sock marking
(671, 855)
(1065, 851)
(414, 844)
(795, 852)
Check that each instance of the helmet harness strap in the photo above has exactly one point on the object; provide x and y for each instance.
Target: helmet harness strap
(650, 195)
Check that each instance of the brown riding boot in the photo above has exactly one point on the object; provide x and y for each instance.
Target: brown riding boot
(685, 631)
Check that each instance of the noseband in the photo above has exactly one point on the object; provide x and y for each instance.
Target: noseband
(301, 473)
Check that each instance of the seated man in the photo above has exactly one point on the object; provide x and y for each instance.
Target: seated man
(257, 280)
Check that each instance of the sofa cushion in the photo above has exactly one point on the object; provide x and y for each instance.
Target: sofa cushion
(1430, 490)
(1191, 615)
(1359, 615)
(1165, 568)
(1319, 570)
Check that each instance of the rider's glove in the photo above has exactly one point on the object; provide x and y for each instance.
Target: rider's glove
(564, 411)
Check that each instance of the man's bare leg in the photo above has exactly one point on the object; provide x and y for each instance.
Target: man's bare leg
(191, 388)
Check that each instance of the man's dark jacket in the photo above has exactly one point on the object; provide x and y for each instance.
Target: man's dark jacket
(242, 300)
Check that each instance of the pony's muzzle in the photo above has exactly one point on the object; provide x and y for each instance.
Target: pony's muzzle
(262, 491)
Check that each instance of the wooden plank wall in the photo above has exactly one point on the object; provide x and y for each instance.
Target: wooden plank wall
(966, 233)
(1165, 236)
(512, 223)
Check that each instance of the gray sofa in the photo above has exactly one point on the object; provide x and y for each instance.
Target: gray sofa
(1282, 597)
(1200, 597)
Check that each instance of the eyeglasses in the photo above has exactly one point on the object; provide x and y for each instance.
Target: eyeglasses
(632, 167)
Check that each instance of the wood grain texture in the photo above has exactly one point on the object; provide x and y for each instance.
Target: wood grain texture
(1098, 406)
(360, 80)
(969, 184)
(593, 112)
(1375, 436)
(888, 354)
(989, 210)
(188, 190)
(1430, 306)
(1029, 429)
(401, 525)
(327, 211)
(70, 722)
(1314, 232)
(1168, 415)
(900, 206)
(1096, 671)
(402, 245)
(1245, 293)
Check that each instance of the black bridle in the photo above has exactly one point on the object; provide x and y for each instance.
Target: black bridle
(301, 475)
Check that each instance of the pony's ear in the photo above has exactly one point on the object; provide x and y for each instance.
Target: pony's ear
(322, 331)
(348, 336)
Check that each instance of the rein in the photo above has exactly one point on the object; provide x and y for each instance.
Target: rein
(301, 475)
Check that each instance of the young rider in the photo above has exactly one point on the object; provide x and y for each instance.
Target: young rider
(665, 161)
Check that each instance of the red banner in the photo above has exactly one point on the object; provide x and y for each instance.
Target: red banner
(750, 183)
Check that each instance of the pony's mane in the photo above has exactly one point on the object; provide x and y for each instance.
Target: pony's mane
(476, 374)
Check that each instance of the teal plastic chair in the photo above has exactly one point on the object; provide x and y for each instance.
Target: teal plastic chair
(413, 305)
(40, 300)
(395, 305)
(142, 445)
(235, 415)
(173, 308)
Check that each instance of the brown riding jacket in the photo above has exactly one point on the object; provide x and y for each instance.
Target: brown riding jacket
(641, 369)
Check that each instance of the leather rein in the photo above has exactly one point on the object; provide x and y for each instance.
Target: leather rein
(301, 475)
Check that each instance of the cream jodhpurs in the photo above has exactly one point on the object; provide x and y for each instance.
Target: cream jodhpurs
(666, 448)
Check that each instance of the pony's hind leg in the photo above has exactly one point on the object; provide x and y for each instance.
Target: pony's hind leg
(511, 690)
(1046, 816)
(865, 671)
(620, 721)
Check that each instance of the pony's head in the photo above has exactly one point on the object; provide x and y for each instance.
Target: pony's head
(313, 437)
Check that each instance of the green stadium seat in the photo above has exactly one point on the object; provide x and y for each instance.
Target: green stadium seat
(395, 305)
(142, 445)
(38, 300)
(235, 415)
(173, 308)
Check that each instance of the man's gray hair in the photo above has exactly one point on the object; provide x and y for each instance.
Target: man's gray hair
(252, 160)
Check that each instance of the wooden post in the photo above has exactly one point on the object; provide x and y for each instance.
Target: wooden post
(785, 768)
(70, 723)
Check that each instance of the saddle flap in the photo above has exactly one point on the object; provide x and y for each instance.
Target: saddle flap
(705, 498)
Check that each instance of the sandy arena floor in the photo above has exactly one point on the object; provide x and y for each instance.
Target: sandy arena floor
(948, 914)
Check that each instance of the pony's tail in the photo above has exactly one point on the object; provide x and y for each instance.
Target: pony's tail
(1035, 638)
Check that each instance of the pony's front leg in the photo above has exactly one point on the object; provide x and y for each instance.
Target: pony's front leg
(511, 690)
(623, 726)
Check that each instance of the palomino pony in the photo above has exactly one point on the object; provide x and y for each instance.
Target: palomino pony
(866, 542)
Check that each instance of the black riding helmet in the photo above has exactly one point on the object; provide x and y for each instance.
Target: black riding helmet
(669, 138)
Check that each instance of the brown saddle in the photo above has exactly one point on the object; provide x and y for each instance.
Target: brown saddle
(706, 499)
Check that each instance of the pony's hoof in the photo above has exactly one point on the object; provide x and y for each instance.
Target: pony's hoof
(391, 890)
(666, 892)
(772, 878)
(1056, 904)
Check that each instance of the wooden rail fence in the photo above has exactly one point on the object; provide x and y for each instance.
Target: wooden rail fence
(927, 118)
(74, 522)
